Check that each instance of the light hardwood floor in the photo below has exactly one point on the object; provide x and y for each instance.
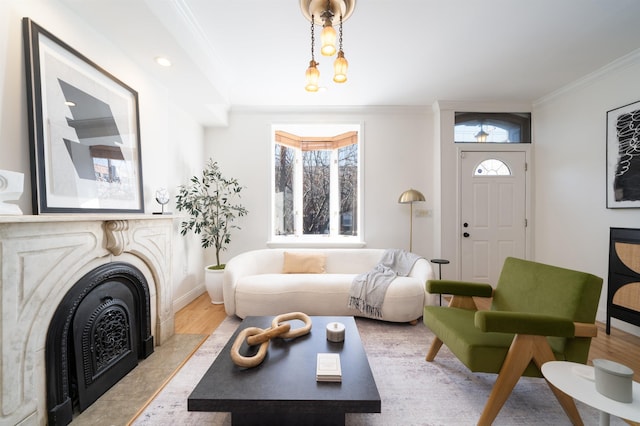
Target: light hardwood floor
(618, 346)
(202, 317)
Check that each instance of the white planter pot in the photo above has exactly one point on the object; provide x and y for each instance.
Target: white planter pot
(213, 283)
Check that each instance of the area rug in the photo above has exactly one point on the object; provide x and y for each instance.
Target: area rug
(413, 391)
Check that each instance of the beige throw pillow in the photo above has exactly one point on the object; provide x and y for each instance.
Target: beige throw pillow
(304, 263)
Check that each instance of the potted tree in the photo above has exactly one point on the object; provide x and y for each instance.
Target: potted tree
(212, 206)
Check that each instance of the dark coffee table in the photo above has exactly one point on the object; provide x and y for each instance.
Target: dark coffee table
(283, 389)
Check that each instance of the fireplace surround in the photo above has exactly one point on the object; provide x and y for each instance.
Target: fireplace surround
(42, 258)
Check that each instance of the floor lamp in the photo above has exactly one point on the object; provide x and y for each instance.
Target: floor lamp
(410, 196)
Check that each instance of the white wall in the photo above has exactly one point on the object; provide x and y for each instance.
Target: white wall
(183, 159)
(571, 219)
(398, 155)
(171, 140)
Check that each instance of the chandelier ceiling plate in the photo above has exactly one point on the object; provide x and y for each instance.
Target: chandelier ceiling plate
(316, 7)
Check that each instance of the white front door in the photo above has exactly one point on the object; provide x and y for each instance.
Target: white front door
(493, 207)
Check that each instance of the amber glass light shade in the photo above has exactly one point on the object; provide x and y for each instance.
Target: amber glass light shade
(312, 76)
(328, 40)
(340, 67)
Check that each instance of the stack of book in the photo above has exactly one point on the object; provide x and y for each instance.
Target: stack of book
(328, 368)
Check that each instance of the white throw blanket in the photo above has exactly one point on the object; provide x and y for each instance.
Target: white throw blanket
(369, 289)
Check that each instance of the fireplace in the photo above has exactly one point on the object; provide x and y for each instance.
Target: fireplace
(97, 334)
(83, 299)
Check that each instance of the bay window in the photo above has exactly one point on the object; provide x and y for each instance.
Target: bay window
(316, 183)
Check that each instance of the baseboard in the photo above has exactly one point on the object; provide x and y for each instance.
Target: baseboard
(616, 323)
(625, 326)
(192, 295)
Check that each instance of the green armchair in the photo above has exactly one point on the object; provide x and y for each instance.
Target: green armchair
(539, 313)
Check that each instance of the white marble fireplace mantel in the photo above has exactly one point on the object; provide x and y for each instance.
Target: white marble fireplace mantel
(41, 258)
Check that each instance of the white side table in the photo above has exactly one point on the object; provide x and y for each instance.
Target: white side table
(578, 381)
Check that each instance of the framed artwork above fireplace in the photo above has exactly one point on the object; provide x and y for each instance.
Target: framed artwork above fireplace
(83, 129)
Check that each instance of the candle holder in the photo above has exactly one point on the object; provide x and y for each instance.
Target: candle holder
(335, 332)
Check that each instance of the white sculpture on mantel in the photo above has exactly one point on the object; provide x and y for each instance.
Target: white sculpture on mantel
(11, 187)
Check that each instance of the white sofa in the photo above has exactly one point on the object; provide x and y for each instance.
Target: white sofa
(254, 284)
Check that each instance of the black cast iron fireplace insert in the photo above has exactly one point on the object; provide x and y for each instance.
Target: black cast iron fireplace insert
(98, 333)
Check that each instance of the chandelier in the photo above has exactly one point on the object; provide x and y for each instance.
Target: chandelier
(327, 13)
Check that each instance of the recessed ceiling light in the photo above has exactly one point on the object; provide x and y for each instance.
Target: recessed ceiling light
(70, 103)
(161, 60)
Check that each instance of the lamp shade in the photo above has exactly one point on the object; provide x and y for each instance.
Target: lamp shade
(312, 76)
(340, 67)
(328, 39)
(410, 196)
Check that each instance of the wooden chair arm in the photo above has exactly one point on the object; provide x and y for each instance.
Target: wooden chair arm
(584, 329)
(463, 302)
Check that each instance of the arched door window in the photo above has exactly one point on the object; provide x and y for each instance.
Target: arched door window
(492, 167)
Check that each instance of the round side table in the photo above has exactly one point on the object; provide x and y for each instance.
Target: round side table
(440, 262)
(577, 381)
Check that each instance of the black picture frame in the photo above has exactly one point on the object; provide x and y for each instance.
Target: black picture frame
(84, 131)
(623, 156)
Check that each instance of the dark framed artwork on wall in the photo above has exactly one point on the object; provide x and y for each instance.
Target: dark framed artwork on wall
(623, 156)
(83, 130)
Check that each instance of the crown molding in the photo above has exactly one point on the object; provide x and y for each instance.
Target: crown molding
(328, 109)
(632, 58)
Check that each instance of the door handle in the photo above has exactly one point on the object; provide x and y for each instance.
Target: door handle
(466, 235)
